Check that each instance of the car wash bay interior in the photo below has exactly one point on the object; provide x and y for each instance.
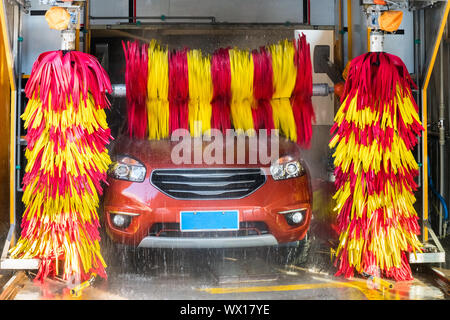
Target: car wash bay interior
(169, 261)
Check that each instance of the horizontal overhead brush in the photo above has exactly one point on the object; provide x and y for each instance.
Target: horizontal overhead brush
(245, 90)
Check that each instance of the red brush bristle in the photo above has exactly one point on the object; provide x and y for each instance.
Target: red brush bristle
(262, 90)
(301, 98)
(65, 76)
(178, 91)
(221, 79)
(374, 78)
(136, 74)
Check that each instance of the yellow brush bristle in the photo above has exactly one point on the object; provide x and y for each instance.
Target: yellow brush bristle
(241, 65)
(158, 91)
(284, 77)
(200, 92)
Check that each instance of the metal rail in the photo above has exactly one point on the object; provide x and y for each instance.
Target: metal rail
(161, 17)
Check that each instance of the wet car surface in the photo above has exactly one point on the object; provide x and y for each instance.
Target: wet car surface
(154, 202)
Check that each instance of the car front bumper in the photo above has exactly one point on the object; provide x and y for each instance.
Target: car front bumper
(212, 243)
(148, 207)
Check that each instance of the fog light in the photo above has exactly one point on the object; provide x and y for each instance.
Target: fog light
(121, 221)
(294, 217)
(297, 217)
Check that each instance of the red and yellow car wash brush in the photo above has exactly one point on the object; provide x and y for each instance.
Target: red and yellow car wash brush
(374, 132)
(67, 161)
(266, 89)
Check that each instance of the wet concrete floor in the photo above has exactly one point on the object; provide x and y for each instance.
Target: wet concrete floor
(230, 275)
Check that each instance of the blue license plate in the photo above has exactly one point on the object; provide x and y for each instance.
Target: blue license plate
(217, 220)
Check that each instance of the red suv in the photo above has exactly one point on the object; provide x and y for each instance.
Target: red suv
(152, 202)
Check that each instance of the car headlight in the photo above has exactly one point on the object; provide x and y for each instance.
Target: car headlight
(127, 168)
(285, 168)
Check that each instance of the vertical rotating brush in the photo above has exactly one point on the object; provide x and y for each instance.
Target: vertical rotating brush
(374, 133)
(67, 161)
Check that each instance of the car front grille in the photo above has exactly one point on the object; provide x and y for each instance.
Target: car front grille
(208, 184)
(248, 228)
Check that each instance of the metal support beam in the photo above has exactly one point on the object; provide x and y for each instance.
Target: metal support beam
(431, 253)
(441, 127)
(24, 5)
(429, 69)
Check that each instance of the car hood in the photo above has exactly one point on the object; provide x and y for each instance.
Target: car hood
(193, 152)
